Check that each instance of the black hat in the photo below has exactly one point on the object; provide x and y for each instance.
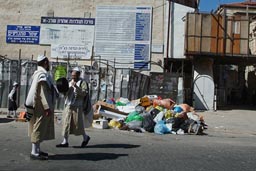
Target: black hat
(62, 85)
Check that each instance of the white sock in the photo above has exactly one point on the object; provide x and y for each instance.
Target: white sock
(34, 149)
(65, 140)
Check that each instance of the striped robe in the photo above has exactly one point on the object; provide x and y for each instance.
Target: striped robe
(41, 127)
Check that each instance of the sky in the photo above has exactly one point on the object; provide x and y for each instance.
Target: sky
(209, 5)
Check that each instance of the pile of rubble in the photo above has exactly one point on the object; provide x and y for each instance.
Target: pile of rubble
(149, 113)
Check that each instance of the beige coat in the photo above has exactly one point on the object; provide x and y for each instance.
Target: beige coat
(73, 115)
(41, 127)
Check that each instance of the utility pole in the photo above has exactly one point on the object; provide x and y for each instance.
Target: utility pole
(168, 33)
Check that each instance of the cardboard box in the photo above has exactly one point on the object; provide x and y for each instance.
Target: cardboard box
(105, 105)
(100, 124)
(108, 107)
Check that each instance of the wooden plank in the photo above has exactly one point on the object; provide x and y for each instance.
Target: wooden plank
(220, 35)
(191, 44)
(228, 38)
(198, 23)
(217, 34)
(214, 34)
(206, 33)
(191, 32)
(244, 35)
(236, 45)
(236, 33)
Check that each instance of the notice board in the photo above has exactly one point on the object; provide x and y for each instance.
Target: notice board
(123, 34)
(71, 38)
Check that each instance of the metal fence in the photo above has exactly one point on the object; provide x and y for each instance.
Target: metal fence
(105, 81)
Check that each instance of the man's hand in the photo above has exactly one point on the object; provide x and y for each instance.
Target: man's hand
(73, 83)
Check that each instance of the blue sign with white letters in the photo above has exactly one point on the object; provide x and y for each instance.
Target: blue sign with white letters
(22, 34)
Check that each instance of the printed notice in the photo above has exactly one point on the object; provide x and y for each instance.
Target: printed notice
(68, 37)
(123, 34)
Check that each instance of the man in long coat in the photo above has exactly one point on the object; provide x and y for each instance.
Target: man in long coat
(40, 105)
(73, 115)
(12, 107)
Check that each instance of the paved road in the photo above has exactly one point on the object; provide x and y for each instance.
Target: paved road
(229, 145)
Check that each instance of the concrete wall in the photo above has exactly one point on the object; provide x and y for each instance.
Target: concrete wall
(29, 12)
(178, 26)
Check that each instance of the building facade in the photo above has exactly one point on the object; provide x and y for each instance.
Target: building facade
(30, 13)
(134, 34)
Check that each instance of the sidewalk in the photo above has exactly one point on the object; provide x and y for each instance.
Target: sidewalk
(4, 111)
(235, 122)
(231, 121)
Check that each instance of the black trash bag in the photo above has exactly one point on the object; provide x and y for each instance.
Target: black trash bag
(178, 123)
(154, 112)
(148, 123)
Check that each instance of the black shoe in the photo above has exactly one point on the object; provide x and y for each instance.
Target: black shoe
(39, 157)
(62, 145)
(43, 153)
(84, 143)
(8, 116)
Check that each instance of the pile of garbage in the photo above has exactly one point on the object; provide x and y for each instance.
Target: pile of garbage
(149, 113)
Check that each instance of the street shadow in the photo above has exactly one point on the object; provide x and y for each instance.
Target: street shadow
(87, 156)
(5, 120)
(110, 146)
